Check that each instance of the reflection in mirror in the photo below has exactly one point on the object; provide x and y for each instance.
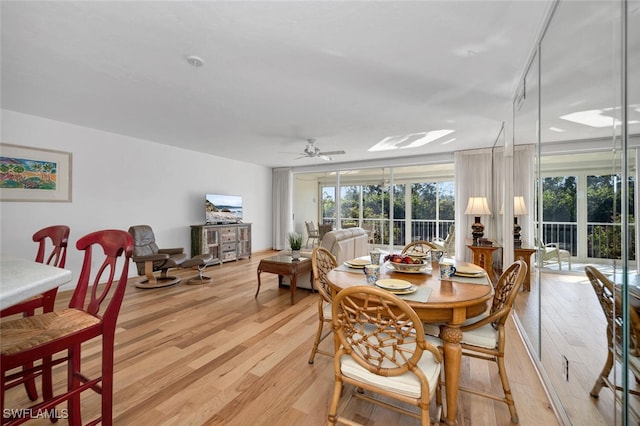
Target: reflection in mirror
(578, 77)
(584, 171)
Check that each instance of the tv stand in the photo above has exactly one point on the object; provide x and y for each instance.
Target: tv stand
(224, 242)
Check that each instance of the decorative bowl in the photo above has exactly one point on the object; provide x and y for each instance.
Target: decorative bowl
(408, 267)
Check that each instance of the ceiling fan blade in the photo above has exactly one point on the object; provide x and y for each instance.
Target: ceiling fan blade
(325, 157)
(332, 153)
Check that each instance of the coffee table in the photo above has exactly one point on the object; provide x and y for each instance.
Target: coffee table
(284, 265)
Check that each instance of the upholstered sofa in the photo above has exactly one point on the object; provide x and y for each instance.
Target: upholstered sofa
(344, 244)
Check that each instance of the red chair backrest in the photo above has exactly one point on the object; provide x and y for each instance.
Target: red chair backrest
(59, 235)
(117, 247)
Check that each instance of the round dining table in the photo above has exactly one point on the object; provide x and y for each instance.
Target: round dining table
(448, 302)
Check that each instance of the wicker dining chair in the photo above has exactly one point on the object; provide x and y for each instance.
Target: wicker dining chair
(611, 303)
(485, 338)
(419, 246)
(427, 248)
(92, 313)
(322, 261)
(383, 350)
(52, 250)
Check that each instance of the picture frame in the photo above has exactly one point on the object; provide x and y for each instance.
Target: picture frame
(34, 174)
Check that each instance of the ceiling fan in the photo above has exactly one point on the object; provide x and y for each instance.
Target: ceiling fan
(312, 151)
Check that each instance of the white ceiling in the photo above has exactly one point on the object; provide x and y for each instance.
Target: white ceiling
(348, 74)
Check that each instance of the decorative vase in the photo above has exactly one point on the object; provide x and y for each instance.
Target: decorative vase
(517, 242)
(295, 254)
(477, 230)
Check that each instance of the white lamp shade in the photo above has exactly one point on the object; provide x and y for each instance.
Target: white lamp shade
(477, 206)
(519, 207)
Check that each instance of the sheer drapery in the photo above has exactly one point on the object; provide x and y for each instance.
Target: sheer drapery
(282, 202)
(523, 185)
(473, 176)
(498, 195)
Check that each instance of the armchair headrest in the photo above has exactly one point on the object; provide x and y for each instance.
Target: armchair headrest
(144, 242)
(142, 235)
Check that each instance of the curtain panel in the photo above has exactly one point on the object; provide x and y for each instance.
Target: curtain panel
(473, 176)
(282, 202)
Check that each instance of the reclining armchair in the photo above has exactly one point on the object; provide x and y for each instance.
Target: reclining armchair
(552, 253)
(149, 258)
(447, 245)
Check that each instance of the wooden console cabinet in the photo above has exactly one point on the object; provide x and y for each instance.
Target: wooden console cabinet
(525, 254)
(224, 242)
(483, 257)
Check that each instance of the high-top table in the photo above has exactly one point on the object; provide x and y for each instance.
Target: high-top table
(449, 302)
(21, 279)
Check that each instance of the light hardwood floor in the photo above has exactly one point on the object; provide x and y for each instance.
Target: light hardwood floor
(573, 326)
(212, 354)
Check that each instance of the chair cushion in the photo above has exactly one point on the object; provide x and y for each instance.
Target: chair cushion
(26, 333)
(326, 311)
(485, 336)
(201, 259)
(433, 329)
(406, 384)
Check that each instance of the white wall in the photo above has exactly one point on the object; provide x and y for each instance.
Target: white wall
(119, 181)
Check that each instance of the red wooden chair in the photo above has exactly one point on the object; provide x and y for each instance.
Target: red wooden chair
(59, 236)
(92, 312)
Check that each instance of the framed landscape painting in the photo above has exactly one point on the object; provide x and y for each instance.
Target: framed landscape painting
(34, 174)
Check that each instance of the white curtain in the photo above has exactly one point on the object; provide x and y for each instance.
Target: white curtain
(497, 197)
(282, 202)
(523, 185)
(473, 175)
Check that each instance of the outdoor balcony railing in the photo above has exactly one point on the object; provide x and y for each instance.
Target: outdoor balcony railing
(603, 239)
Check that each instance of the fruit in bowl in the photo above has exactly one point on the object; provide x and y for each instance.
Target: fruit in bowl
(404, 263)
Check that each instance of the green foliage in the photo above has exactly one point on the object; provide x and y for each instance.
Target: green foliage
(559, 199)
(603, 197)
(295, 241)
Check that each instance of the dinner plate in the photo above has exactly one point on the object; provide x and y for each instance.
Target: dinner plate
(472, 275)
(469, 270)
(409, 290)
(393, 284)
(424, 269)
(358, 263)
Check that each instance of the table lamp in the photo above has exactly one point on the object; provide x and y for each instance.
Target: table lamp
(519, 209)
(477, 207)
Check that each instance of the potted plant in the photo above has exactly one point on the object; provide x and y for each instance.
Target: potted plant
(295, 242)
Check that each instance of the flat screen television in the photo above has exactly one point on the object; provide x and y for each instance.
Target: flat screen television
(221, 208)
